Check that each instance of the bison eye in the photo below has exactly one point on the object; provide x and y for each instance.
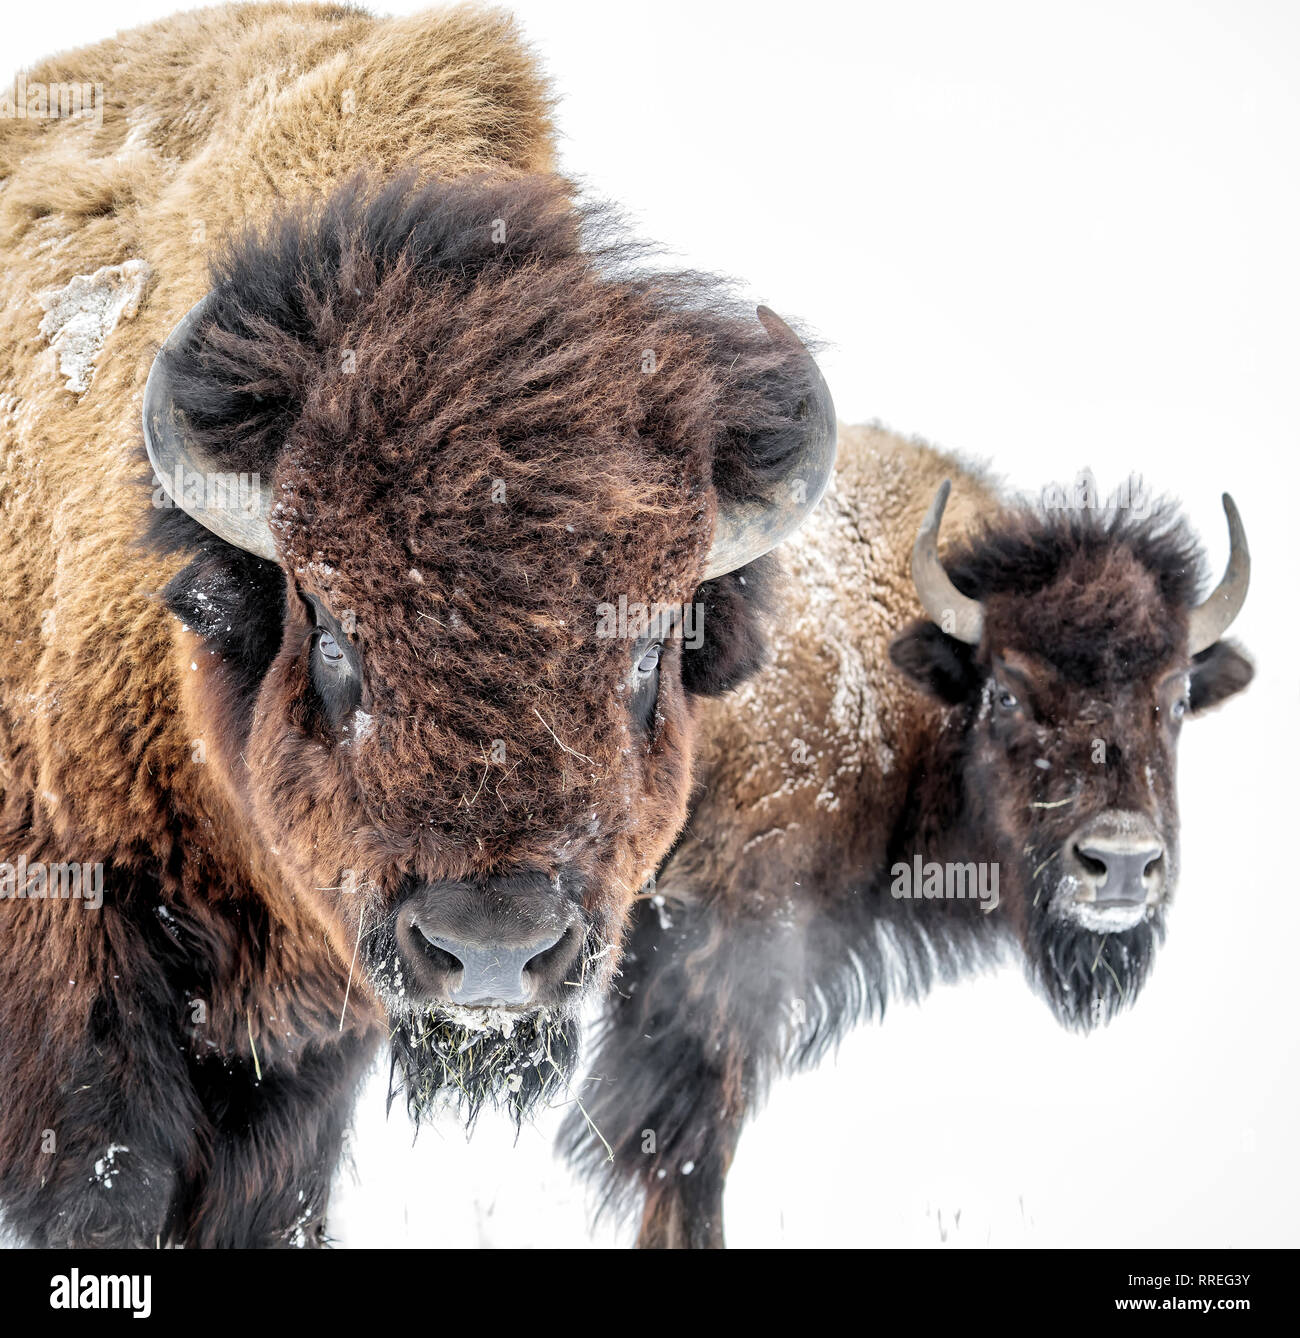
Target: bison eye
(1179, 708)
(645, 686)
(1008, 701)
(331, 659)
(335, 674)
(329, 649)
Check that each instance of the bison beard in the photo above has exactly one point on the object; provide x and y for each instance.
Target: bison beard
(445, 1057)
(439, 1061)
(1088, 977)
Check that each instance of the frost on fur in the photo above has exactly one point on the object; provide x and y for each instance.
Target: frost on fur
(81, 315)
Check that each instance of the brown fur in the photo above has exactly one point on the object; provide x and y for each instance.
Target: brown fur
(469, 454)
(829, 731)
(872, 738)
(211, 117)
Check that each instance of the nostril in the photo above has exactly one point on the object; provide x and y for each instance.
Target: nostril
(436, 951)
(490, 948)
(1092, 866)
(555, 956)
(490, 974)
(1155, 866)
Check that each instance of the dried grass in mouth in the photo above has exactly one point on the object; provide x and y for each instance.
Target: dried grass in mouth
(464, 1059)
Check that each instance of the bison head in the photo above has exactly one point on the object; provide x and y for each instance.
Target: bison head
(1072, 645)
(475, 431)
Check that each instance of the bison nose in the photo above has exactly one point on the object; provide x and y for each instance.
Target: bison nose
(506, 942)
(1119, 868)
(491, 974)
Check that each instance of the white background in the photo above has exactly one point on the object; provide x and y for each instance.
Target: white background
(1053, 235)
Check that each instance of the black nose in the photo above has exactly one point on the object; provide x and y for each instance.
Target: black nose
(504, 942)
(491, 974)
(1119, 864)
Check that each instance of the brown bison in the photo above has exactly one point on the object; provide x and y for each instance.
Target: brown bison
(314, 734)
(943, 759)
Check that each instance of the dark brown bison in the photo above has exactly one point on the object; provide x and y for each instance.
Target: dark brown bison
(320, 708)
(943, 760)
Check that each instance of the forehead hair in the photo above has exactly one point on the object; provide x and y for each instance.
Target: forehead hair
(1101, 594)
(385, 359)
(423, 314)
(479, 375)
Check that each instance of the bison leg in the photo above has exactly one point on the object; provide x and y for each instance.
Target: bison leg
(94, 1160)
(97, 1114)
(274, 1146)
(95, 1166)
(691, 1035)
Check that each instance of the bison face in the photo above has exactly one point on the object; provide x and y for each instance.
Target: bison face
(1080, 655)
(1083, 784)
(474, 439)
(471, 784)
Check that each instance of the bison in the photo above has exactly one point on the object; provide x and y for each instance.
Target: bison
(1007, 712)
(318, 698)
(357, 533)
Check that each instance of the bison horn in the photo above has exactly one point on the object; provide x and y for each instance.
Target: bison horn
(745, 531)
(195, 484)
(957, 614)
(1207, 622)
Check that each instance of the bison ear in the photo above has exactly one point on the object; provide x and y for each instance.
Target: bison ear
(941, 665)
(1217, 674)
(725, 643)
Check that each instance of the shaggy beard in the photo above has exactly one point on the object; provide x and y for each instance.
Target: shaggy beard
(450, 1059)
(1086, 976)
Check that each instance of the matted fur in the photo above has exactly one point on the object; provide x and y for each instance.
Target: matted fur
(479, 422)
(151, 1010)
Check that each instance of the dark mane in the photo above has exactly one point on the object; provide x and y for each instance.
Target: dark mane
(485, 313)
(287, 296)
(1105, 589)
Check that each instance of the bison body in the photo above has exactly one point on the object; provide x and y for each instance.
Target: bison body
(886, 805)
(325, 702)
(134, 1110)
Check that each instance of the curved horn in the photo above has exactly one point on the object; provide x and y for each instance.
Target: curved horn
(746, 531)
(1207, 622)
(176, 461)
(939, 597)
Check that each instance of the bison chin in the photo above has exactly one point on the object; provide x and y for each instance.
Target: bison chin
(463, 1059)
(449, 1057)
(1087, 976)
